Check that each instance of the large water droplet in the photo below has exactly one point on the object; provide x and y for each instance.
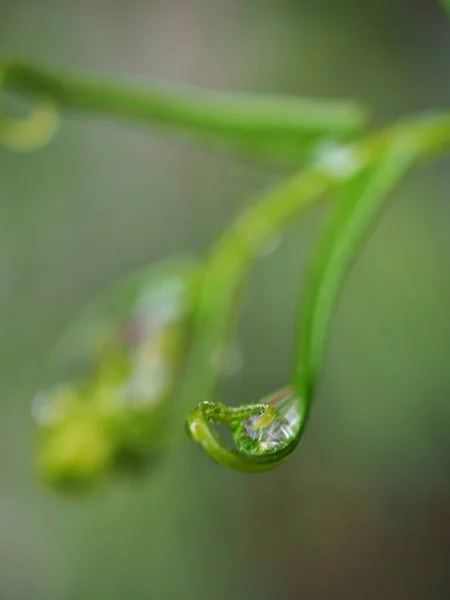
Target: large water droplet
(256, 436)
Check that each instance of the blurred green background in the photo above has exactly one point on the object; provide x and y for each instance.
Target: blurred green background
(362, 510)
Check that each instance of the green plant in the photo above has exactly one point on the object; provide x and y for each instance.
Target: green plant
(155, 344)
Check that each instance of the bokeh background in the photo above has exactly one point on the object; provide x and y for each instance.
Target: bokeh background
(362, 510)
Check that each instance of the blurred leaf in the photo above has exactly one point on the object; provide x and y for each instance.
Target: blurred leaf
(115, 371)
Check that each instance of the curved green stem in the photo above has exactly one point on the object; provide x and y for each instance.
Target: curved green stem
(378, 165)
(283, 128)
(203, 433)
(199, 426)
(362, 200)
(226, 266)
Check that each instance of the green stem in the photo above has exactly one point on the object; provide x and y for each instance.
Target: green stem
(277, 127)
(363, 198)
(226, 267)
(229, 260)
(200, 429)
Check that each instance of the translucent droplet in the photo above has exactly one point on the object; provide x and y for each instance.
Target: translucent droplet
(256, 436)
(271, 246)
(337, 159)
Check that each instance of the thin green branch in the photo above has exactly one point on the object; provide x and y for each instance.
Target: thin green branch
(202, 432)
(390, 153)
(227, 264)
(283, 128)
(355, 214)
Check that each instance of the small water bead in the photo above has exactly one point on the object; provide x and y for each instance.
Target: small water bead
(338, 160)
(256, 437)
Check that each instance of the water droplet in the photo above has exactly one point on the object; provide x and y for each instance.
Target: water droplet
(337, 159)
(271, 246)
(254, 436)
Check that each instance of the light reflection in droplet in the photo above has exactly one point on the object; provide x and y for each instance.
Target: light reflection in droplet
(253, 439)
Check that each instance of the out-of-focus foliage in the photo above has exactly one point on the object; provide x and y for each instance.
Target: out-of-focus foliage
(363, 510)
(446, 5)
(115, 370)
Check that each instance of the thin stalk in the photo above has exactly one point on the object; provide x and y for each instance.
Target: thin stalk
(280, 127)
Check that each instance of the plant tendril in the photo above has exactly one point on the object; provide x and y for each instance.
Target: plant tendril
(383, 161)
(359, 173)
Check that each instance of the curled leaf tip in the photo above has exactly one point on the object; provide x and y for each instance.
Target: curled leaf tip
(264, 433)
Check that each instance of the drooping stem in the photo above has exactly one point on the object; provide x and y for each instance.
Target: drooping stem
(200, 429)
(362, 200)
(380, 162)
(227, 264)
(270, 126)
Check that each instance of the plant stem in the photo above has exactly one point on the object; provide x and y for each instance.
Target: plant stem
(231, 257)
(280, 127)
